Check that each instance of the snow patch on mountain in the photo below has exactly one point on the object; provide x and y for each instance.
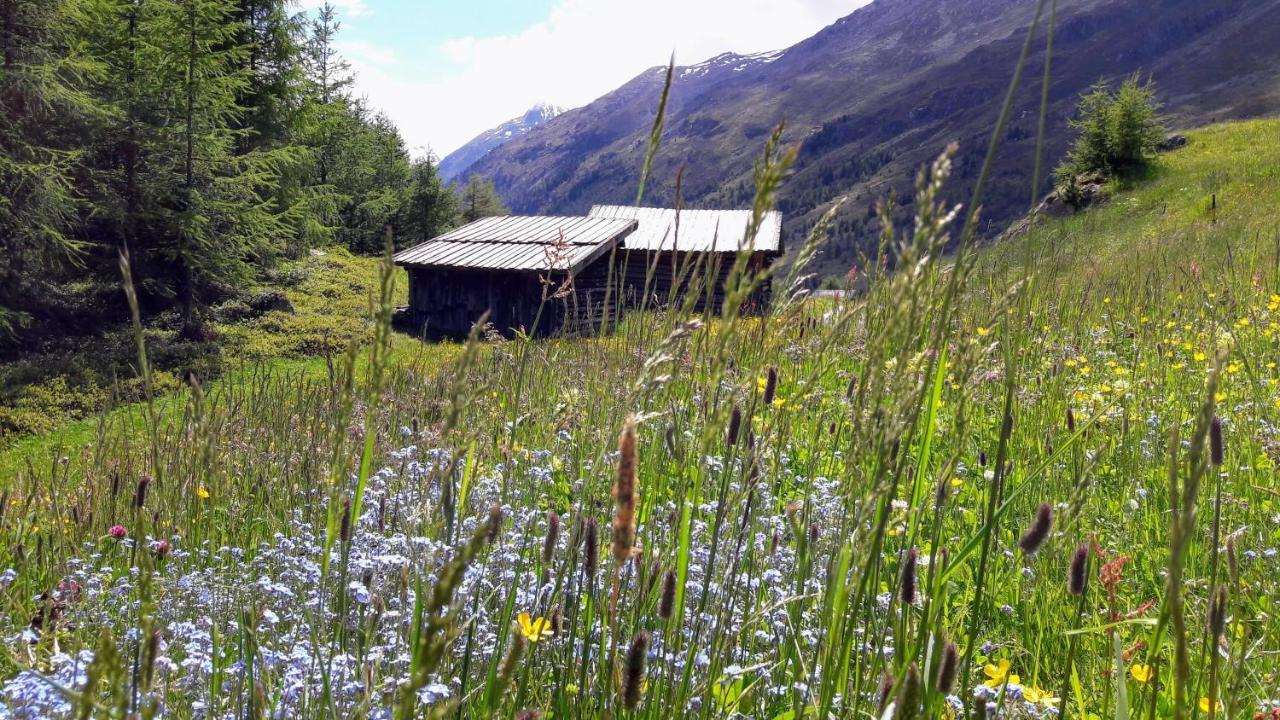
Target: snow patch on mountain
(456, 163)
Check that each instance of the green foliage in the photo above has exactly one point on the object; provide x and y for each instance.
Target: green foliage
(216, 141)
(1118, 130)
(430, 206)
(42, 95)
(479, 199)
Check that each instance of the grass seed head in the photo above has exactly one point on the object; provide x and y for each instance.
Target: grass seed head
(1079, 574)
(1218, 611)
(1216, 449)
(948, 666)
(494, 523)
(735, 423)
(907, 582)
(553, 535)
(771, 385)
(908, 702)
(344, 525)
(886, 691)
(140, 495)
(625, 494)
(511, 661)
(633, 679)
(667, 603)
(1035, 535)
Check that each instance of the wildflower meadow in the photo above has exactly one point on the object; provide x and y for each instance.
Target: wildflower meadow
(1029, 479)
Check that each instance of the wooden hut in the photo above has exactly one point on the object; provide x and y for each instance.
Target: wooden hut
(539, 275)
(673, 254)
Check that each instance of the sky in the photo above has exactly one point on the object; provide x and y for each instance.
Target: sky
(447, 70)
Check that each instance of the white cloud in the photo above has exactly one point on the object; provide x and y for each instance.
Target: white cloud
(584, 49)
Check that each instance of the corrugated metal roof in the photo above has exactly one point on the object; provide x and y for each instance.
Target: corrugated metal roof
(696, 231)
(516, 242)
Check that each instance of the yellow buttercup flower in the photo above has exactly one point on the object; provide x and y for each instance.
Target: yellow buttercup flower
(1141, 673)
(997, 674)
(1036, 695)
(202, 492)
(1204, 705)
(534, 630)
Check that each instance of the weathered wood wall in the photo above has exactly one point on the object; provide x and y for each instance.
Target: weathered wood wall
(658, 279)
(448, 301)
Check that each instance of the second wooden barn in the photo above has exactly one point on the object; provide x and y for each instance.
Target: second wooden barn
(674, 255)
(536, 274)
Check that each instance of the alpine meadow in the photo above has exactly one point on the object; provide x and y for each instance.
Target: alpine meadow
(888, 455)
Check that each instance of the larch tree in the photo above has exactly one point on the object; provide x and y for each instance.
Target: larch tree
(43, 76)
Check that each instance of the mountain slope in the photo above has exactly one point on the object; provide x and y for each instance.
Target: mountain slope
(875, 95)
(458, 161)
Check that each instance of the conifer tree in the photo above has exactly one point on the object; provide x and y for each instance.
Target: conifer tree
(480, 199)
(43, 74)
(430, 208)
(212, 216)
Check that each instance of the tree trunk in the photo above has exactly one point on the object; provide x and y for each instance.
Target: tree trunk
(186, 279)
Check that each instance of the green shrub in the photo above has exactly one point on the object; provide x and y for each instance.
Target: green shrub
(1119, 129)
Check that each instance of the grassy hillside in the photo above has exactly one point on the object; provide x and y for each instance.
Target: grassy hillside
(1057, 455)
(1158, 226)
(330, 299)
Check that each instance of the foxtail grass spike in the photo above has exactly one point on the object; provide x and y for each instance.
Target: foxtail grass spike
(553, 536)
(1079, 574)
(1035, 535)
(948, 667)
(735, 423)
(667, 603)
(344, 525)
(140, 495)
(633, 677)
(886, 692)
(625, 494)
(511, 661)
(908, 702)
(1216, 449)
(771, 385)
(494, 523)
(1218, 612)
(907, 584)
